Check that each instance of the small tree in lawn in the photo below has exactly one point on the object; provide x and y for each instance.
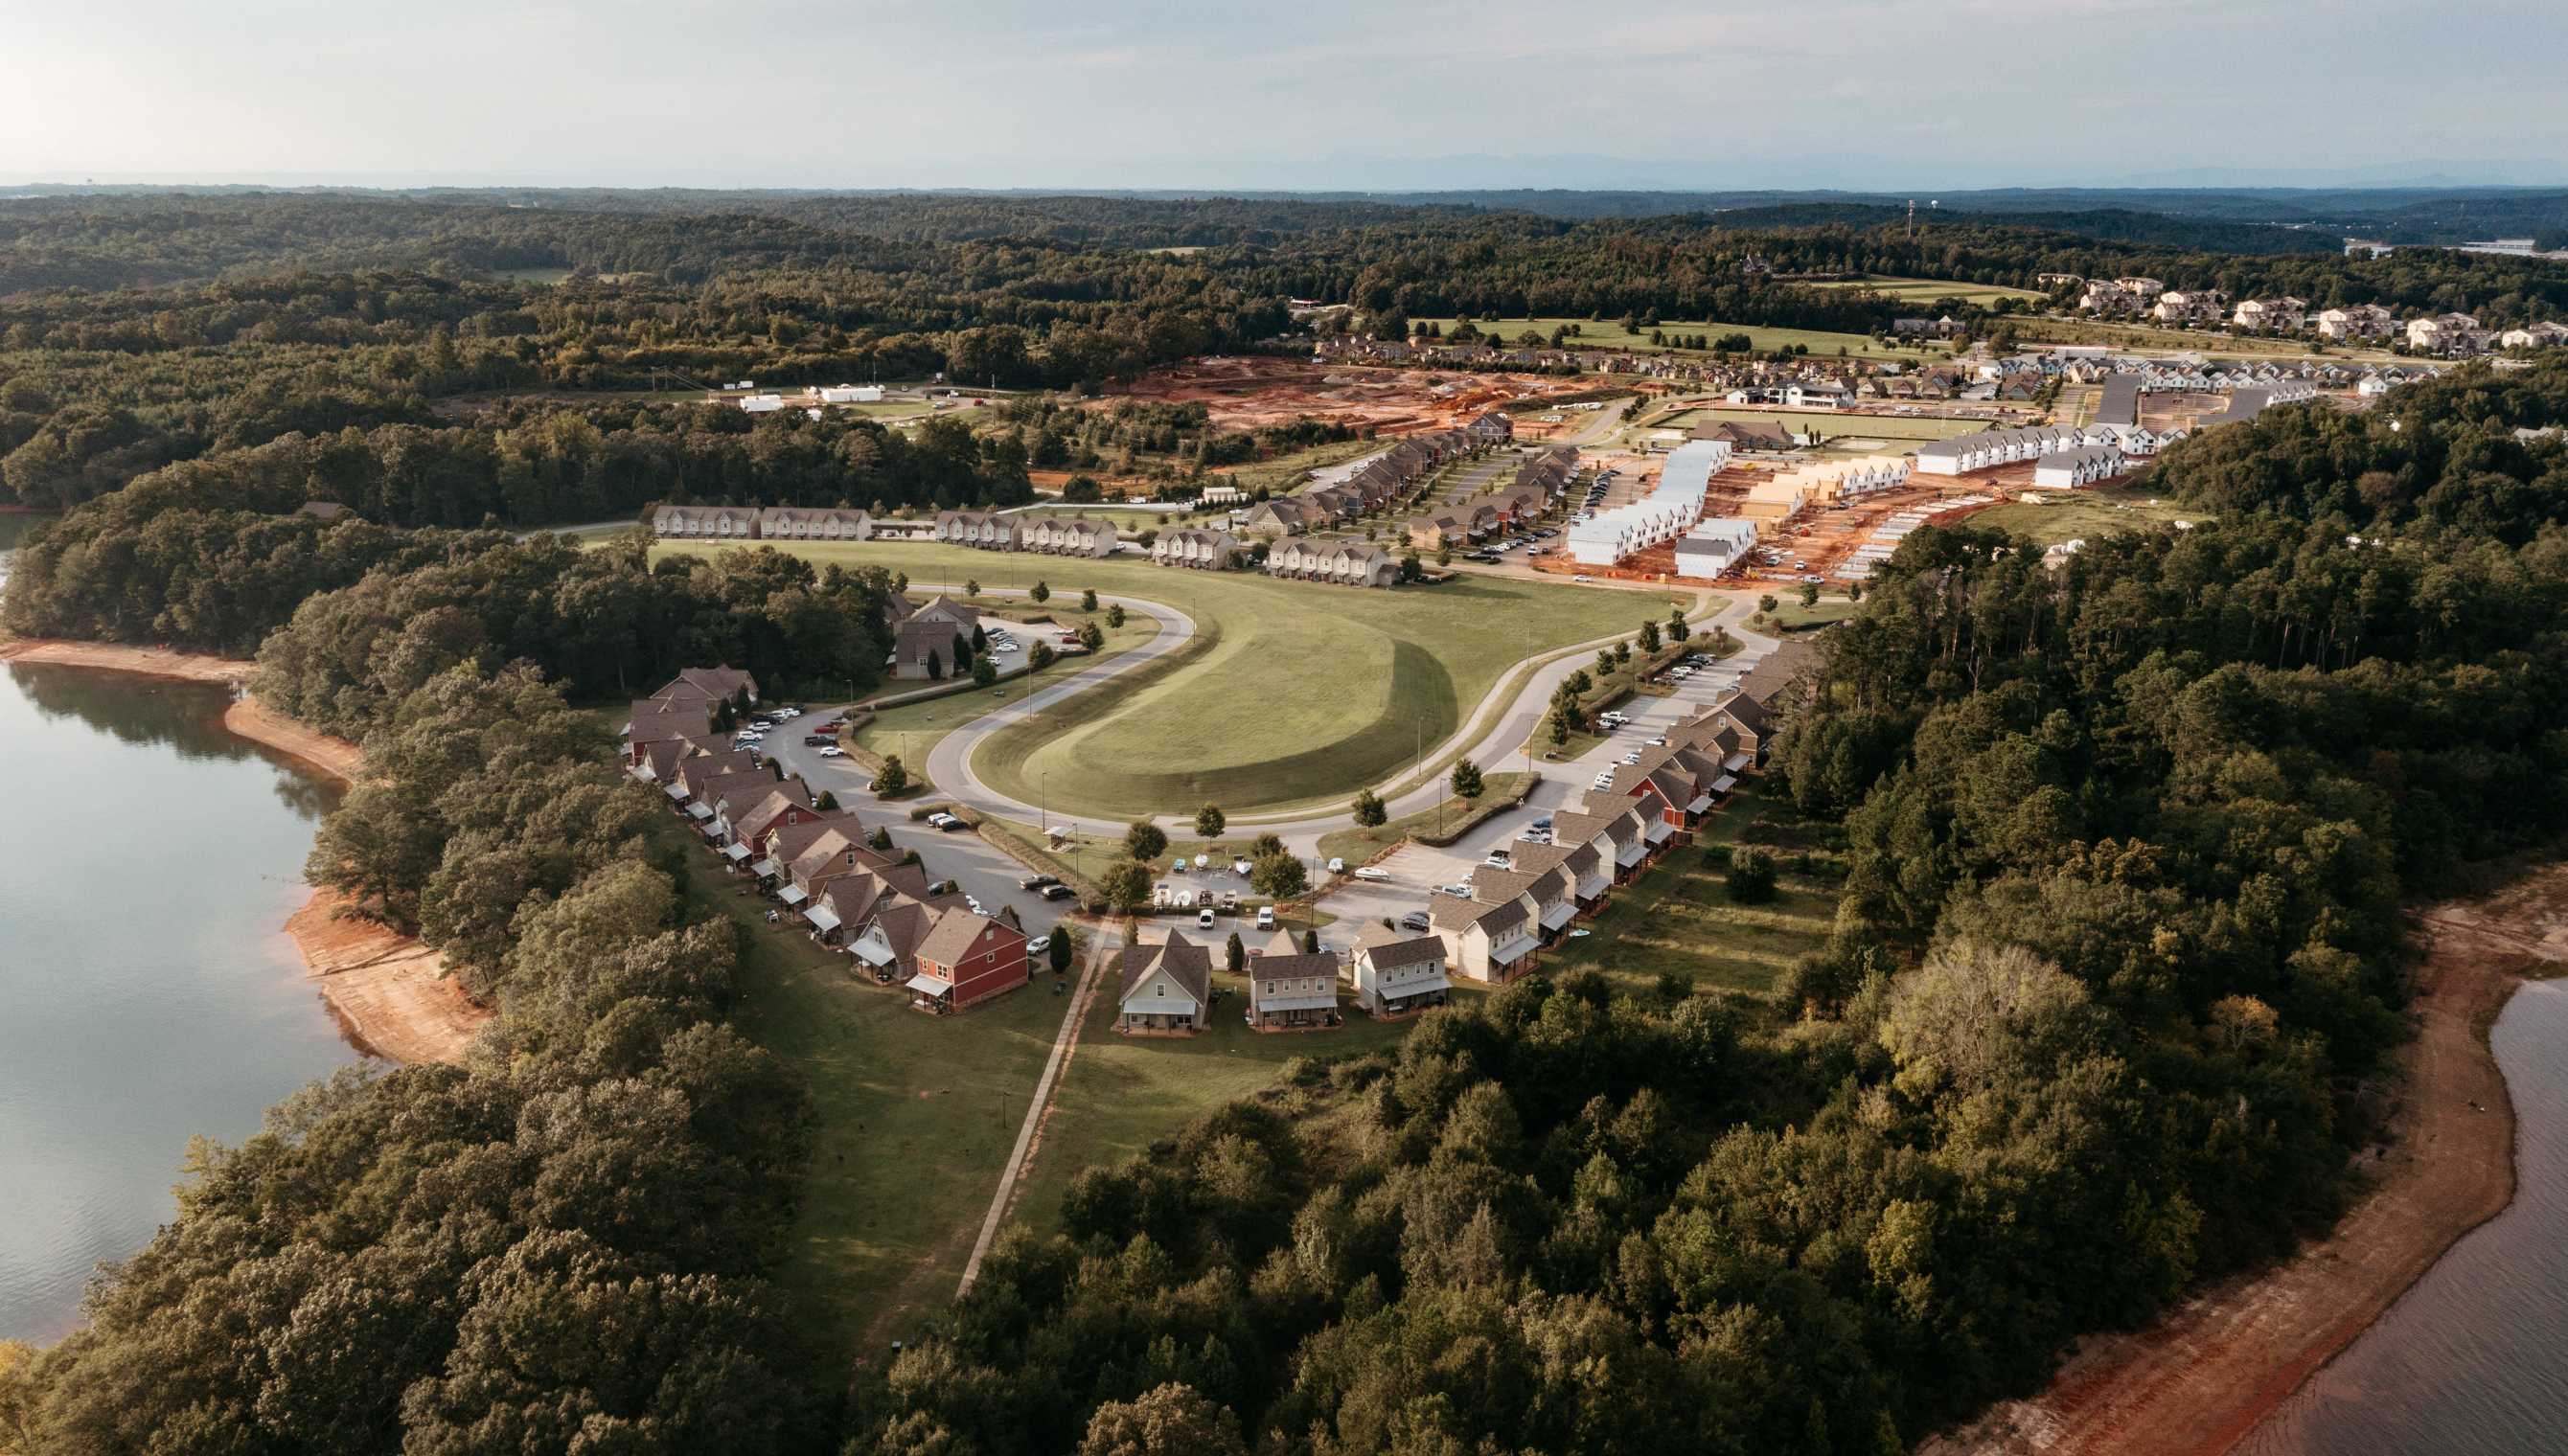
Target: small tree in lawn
(1445, 554)
(1370, 811)
(1279, 876)
(1115, 615)
(901, 583)
(1209, 822)
(1622, 654)
(1752, 877)
(1059, 952)
(1650, 635)
(984, 671)
(893, 776)
(1264, 845)
(1041, 594)
(1604, 662)
(1087, 600)
(1468, 782)
(1678, 628)
(1041, 656)
(1310, 943)
(1854, 591)
(1766, 604)
(1562, 725)
(1091, 636)
(1234, 954)
(971, 587)
(1145, 840)
(1127, 884)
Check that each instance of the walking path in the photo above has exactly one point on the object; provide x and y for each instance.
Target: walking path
(1100, 943)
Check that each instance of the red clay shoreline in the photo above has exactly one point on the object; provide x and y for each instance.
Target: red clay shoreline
(388, 992)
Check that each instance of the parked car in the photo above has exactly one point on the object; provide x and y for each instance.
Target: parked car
(1038, 946)
(1580, 577)
(1460, 891)
(1265, 917)
(831, 750)
(1058, 892)
(816, 740)
(1336, 866)
(1036, 882)
(1416, 920)
(1500, 859)
(1372, 872)
(1203, 919)
(973, 905)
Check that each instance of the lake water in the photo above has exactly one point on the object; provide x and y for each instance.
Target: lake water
(148, 992)
(2467, 1362)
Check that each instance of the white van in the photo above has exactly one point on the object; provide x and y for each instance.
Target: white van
(1265, 917)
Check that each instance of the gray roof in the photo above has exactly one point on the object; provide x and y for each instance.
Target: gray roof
(1185, 962)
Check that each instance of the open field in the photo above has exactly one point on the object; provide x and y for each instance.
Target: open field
(914, 1115)
(2086, 514)
(2213, 346)
(1121, 1094)
(1610, 333)
(1289, 692)
(1679, 920)
(1791, 616)
(1923, 291)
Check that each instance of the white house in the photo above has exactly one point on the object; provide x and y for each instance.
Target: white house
(1673, 505)
(2084, 464)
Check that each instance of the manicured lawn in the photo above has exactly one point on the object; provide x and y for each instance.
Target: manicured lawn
(2088, 514)
(1791, 616)
(1122, 1093)
(1291, 692)
(1924, 291)
(916, 1115)
(1610, 333)
(1679, 919)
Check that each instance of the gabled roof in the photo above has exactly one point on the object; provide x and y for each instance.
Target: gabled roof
(1390, 949)
(1184, 962)
(1452, 912)
(1490, 885)
(1293, 966)
(957, 934)
(708, 684)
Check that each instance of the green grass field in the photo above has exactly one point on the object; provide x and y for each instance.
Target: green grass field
(2087, 515)
(1121, 1094)
(1923, 291)
(1791, 616)
(1679, 919)
(2212, 346)
(1291, 692)
(1446, 821)
(1610, 333)
(916, 1115)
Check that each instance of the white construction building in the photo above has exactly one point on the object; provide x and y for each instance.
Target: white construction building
(1672, 507)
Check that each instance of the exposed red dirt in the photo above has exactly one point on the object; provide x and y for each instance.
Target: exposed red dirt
(2199, 1380)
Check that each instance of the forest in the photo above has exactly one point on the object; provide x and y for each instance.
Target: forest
(2105, 1014)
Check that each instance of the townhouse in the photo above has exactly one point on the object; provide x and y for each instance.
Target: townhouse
(1552, 889)
(964, 960)
(1588, 863)
(1290, 990)
(1397, 974)
(705, 523)
(1055, 535)
(1492, 942)
(1674, 504)
(2357, 321)
(709, 686)
(2270, 315)
(2445, 334)
(847, 905)
(1282, 515)
(1165, 991)
(1201, 549)
(1494, 427)
(983, 531)
(808, 523)
(2078, 466)
(932, 639)
(2537, 336)
(1616, 831)
(1343, 563)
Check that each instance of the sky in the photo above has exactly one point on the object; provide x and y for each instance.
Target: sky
(1304, 93)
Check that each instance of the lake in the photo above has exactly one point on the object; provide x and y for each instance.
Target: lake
(2467, 1362)
(148, 992)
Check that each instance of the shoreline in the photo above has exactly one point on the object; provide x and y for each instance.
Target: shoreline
(2205, 1376)
(386, 992)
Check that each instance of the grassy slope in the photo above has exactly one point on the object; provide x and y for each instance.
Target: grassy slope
(916, 1117)
(1292, 691)
(2087, 515)
(1678, 919)
(1122, 1093)
(913, 730)
(1927, 290)
(1610, 333)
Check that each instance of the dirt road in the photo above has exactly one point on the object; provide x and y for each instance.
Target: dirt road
(2199, 1380)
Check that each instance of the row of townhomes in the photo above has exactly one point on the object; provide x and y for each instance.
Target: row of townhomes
(1375, 483)
(1532, 493)
(761, 524)
(1052, 535)
(2448, 333)
(1198, 548)
(826, 874)
(1341, 563)
(1496, 932)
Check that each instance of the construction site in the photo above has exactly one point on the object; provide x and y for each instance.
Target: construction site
(1253, 392)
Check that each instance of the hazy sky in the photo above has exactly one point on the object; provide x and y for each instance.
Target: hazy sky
(1309, 94)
